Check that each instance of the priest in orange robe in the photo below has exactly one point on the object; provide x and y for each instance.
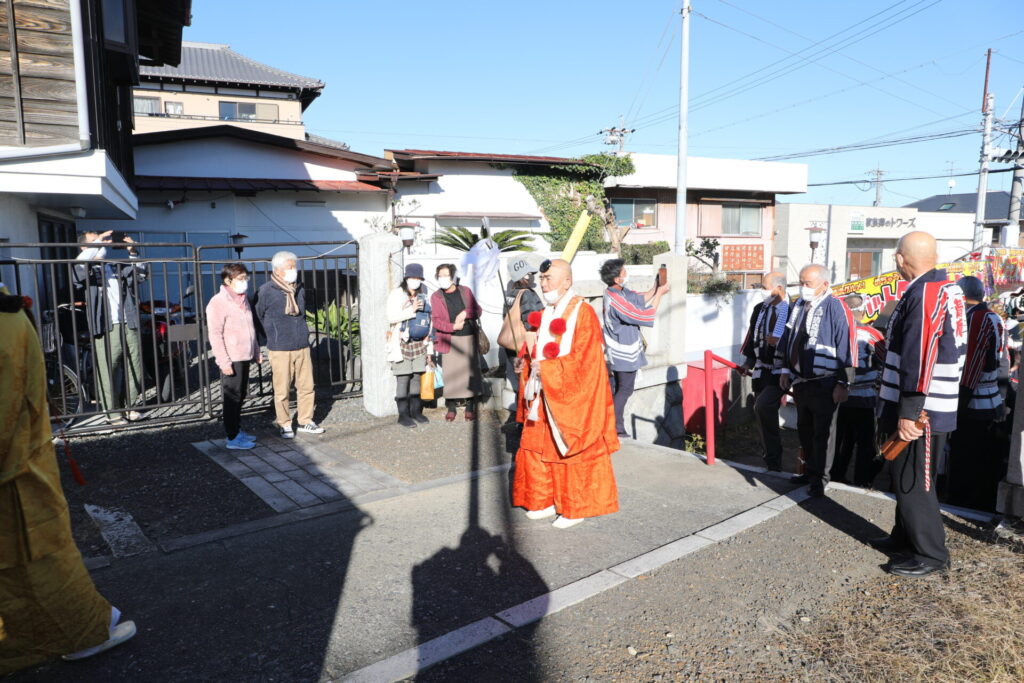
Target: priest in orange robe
(564, 464)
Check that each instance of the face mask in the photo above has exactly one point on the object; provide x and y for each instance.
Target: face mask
(808, 293)
(444, 282)
(291, 275)
(413, 284)
(767, 294)
(240, 286)
(625, 278)
(552, 297)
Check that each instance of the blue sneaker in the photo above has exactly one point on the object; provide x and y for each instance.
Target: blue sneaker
(239, 444)
(246, 436)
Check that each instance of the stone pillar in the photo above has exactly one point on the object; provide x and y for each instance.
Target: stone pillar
(381, 264)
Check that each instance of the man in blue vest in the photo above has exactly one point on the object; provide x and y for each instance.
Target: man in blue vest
(767, 323)
(816, 357)
(925, 342)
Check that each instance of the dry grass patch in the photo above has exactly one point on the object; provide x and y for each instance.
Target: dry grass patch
(964, 625)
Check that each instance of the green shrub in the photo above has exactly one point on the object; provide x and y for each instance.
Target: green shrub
(642, 254)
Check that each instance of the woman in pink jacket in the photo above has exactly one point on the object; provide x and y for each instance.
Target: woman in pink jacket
(233, 341)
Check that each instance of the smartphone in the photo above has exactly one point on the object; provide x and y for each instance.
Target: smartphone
(662, 276)
(117, 236)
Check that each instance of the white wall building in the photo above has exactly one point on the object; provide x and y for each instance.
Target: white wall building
(859, 241)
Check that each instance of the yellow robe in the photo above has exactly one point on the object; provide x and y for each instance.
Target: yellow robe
(49, 605)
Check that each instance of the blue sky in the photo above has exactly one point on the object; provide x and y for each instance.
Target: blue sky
(544, 77)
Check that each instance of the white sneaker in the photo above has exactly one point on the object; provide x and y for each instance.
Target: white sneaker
(133, 416)
(541, 514)
(239, 444)
(565, 522)
(311, 428)
(287, 433)
(120, 631)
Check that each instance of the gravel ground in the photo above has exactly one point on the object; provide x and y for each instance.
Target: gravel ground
(733, 611)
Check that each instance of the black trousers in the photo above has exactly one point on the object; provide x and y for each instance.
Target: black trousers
(625, 382)
(767, 400)
(976, 465)
(855, 433)
(816, 425)
(233, 389)
(918, 520)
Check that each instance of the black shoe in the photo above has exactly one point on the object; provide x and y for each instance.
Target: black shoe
(886, 544)
(800, 479)
(416, 410)
(816, 491)
(916, 568)
(773, 466)
(403, 413)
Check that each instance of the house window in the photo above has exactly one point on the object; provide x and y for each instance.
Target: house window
(741, 219)
(642, 213)
(247, 111)
(174, 108)
(115, 22)
(147, 106)
(862, 264)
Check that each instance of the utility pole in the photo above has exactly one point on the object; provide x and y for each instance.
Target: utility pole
(878, 173)
(987, 105)
(684, 96)
(617, 136)
(1012, 237)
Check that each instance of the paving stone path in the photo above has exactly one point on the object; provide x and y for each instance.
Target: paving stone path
(292, 474)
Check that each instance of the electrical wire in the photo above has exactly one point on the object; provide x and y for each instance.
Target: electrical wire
(900, 180)
(871, 145)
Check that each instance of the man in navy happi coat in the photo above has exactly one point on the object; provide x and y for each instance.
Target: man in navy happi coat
(926, 341)
(816, 357)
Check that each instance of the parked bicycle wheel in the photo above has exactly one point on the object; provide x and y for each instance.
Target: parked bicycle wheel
(66, 393)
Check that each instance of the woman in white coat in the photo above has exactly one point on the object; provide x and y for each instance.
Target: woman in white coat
(409, 347)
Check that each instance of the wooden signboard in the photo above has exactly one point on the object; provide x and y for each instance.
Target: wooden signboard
(743, 257)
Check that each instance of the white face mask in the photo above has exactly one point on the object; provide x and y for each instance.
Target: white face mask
(413, 284)
(444, 282)
(808, 293)
(291, 275)
(625, 278)
(767, 294)
(240, 286)
(552, 297)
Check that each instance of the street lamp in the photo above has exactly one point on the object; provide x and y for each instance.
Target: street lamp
(814, 233)
(236, 240)
(407, 233)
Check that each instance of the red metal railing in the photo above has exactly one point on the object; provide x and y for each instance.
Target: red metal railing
(709, 401)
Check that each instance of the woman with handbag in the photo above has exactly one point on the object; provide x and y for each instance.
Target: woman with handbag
(408, 344)
(456, 318)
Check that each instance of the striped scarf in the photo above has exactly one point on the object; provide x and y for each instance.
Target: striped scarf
(291, 306)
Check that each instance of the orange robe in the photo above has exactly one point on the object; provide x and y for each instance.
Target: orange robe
(576, 390)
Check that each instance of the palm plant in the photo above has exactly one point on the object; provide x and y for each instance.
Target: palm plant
(463, 239)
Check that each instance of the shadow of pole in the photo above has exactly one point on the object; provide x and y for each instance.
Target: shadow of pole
(483, 575)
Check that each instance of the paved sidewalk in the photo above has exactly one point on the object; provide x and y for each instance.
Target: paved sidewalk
(325, 597)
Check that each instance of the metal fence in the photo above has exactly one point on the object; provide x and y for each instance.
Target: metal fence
(152, 365)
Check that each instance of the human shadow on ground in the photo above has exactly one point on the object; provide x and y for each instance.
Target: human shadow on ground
(843, 519)
(262, 606)
(480, 577)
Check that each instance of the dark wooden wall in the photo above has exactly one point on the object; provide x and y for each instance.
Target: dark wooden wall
(38, 105)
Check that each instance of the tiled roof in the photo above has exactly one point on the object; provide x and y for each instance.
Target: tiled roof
(409, 154)
(997, 204)
(219, 63)
(249, 184)
(326, 142)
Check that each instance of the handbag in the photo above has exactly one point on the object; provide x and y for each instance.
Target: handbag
(483, 344)
(427, 386)
(512, 328)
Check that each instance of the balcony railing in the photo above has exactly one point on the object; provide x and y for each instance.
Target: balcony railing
(197, 117)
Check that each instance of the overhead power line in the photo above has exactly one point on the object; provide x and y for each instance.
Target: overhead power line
(870, 145)
(861, 181)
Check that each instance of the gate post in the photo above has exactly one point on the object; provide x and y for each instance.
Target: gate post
(381, 264)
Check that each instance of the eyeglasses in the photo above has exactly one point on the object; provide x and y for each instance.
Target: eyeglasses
(545, 265)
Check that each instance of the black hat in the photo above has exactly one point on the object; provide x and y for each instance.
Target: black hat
(414, 270)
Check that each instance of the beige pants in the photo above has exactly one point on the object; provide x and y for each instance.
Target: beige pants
(287, 367)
